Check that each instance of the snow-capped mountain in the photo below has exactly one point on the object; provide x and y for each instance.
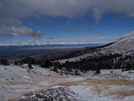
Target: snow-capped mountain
(123, 45)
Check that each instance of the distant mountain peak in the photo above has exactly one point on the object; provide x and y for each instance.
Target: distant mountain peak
(127, 36)
(124, 44)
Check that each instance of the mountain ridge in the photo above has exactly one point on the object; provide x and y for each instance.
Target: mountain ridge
(123, 45)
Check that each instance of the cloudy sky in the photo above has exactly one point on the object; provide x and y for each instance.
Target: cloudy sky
(64, 21)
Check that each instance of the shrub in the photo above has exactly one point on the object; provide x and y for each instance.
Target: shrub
(3, 62)
(98, 71)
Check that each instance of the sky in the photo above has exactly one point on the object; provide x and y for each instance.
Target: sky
(40, 22)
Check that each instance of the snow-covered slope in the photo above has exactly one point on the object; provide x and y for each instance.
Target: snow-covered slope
(21, 84)
(123, 45)
(90, 88)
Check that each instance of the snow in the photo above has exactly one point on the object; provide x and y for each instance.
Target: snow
(129, 98)
(87, 96)
(53, 94)
(124, 45)
(16, 81)
(80, 90)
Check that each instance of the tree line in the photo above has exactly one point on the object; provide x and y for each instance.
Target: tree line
(110, 61)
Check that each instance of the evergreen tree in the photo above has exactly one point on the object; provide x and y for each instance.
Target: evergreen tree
(55, 69)
(16, 63)
(30, 66)
(4, 62)
(46, 64)
(98, 71)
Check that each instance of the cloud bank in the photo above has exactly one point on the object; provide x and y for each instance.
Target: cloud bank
(67, 8)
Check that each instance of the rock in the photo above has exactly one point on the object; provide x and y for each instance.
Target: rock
(52, 94)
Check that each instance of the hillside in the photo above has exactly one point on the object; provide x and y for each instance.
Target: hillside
(124, 45)
(39, 84)
(90, 58)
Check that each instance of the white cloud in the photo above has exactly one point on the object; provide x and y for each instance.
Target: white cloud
(67, 8)
(97, 14)
(17, 31)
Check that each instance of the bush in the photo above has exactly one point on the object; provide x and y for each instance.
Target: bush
(30, 66)
(46, 64)
(98, 71)
(3, 62)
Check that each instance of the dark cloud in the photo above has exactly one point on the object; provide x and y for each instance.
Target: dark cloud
(67, 29)
(55, 37)
(89, 28)
(5, 17)
(67, 8)
(51, 38)
(10, 21)
(58, 37)
(3, 11)
(17, 31)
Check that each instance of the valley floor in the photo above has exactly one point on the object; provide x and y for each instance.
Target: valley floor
(17, 81)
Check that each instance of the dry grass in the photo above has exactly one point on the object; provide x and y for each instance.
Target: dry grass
(123, 92)
(111, 87)
(110, 82)
(109, 91)
(98, 89)
(122, 88)
(98, 86)
(69, 83)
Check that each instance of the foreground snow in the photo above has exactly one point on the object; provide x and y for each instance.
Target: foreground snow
(71, 93)
(17, 81)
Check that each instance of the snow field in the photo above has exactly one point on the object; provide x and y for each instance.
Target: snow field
(16, 81)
